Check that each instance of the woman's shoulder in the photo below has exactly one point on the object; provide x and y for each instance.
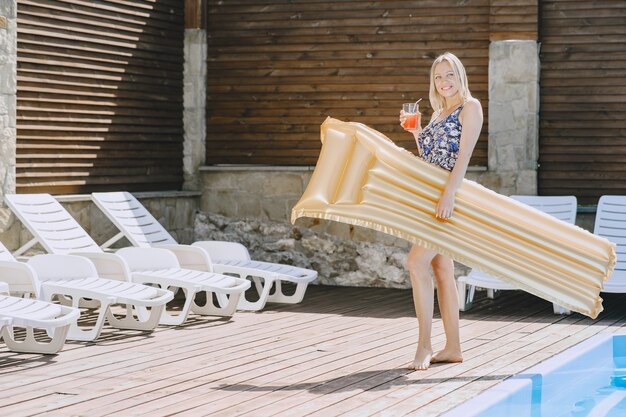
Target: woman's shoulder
(472, 104)
(472, 107)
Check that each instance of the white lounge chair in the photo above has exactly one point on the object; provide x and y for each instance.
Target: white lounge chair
(143, 230)
(611, 223)
(32, 314)
(75, 278)
(561, 207)
(54, 228)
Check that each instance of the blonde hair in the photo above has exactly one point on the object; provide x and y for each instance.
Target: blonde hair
(437, 101)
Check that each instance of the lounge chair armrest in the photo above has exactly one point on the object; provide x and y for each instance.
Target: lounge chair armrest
(108, 265)
(21, 277)
(144, 259)
(190, 257)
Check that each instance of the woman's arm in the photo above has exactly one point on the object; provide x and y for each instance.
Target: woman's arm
(471, 119)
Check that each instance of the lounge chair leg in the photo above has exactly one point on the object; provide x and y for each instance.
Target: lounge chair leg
(146, 320)
(75, 332)
(492, 293)
(560, 310)
(175, 320)
(466, 295)
(228, 305)
(31, 345)
(263, 288)
(296, 297)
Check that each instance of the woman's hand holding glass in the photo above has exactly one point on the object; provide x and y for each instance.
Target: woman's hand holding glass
(410, 117)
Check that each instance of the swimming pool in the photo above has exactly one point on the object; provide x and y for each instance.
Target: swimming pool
(587, 380)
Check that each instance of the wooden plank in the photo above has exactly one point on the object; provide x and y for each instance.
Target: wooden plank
(41, 14)
(88, 10)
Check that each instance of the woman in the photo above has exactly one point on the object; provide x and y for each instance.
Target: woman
(447, 141)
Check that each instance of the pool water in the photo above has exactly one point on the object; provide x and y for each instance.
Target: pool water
(587, 380)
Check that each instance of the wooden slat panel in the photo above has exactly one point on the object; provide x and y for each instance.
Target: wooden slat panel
(513, 19)
(99, 101)
(277, 69)
(582, 147)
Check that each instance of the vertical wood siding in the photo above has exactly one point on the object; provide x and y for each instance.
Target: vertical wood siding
(583, 99)
(99, 95)
(277, 69)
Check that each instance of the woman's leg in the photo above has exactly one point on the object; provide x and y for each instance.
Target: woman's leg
(447, 295)
(423, 297)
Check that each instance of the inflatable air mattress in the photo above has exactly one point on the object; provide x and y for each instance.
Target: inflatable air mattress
(363, 178)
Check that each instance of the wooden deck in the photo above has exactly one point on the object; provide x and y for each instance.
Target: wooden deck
(343, 351)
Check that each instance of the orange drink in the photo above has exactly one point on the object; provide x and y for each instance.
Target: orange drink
(410, 121)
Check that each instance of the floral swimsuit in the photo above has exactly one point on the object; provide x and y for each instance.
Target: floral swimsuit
(439, 142)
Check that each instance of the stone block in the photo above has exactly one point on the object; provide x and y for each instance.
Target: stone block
(501, 119)
(514, 60)
(507, 157)
(7, 219)
(11, 236)
(275, 209)
(282, 184)
(525, 56)
(251, 182)
(4, 104)
(80, 212)
(8, 80)
(11, 102)
(491, 180)
(248, 206)
(102, 229)
(526, 183)
(219, 181)
(170, 218)
(8, 8)
(183, 215)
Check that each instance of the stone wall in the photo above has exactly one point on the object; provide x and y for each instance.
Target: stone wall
(513, 117)
(338, 261)
(176, 211)
(194, 104)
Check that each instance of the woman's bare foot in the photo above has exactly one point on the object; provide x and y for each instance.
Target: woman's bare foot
(422, 359)
(448, 356)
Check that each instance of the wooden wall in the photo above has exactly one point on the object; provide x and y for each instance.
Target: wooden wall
(513, 19)
(277, 69)
(583, 99)
(99, 95)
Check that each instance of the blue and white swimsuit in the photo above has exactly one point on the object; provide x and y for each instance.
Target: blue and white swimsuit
(439, 141)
